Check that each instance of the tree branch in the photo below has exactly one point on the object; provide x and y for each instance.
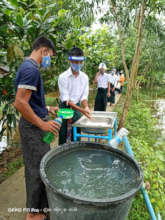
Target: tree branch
(134, 67)
(135, 63)
(121, 41)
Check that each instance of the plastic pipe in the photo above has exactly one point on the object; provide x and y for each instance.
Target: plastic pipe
(143, 190)
(92, 136)
(127, 146)
(109, 135)
(148, 203)
(159, 217)
(115, 127)
(75, 133)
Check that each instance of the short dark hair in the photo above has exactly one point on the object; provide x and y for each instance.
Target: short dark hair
(43, 41)
(75, 51)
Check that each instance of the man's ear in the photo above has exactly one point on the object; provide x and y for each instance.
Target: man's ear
(44, 51)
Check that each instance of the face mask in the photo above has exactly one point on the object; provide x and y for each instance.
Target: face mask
(76, 67)
(102, 71)
(46, 61)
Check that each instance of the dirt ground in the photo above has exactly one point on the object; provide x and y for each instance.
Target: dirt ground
(13, 195)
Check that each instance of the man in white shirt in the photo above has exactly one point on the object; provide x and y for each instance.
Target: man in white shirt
(113, 82)
(74, 88)
(102, 80)
(118, 85)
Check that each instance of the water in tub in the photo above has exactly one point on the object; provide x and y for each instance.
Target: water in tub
(92, 174)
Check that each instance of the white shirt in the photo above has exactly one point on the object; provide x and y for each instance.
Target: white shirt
(113, 79)
(102, 81)
(117, 76)
(73, 88)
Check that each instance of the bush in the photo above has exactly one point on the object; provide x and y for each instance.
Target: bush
(150, 155)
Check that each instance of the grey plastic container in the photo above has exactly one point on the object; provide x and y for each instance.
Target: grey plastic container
(65, 207)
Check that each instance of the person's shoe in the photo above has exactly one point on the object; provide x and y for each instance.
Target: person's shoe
(36, 216)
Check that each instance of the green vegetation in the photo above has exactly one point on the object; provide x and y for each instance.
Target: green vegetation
(11, 168)
(51, 101)
(68, 23)
(135, 44)
(143, 138)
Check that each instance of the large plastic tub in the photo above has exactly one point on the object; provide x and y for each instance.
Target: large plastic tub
(65, 206)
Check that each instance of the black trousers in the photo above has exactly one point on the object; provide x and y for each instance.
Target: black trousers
(64, 126)
(101, 100)
(111, 99)
(33, 150)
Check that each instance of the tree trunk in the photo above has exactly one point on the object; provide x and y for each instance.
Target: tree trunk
(137, 90)
(126, 106)
(134, 68)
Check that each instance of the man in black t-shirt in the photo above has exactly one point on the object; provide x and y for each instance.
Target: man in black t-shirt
(30, 102)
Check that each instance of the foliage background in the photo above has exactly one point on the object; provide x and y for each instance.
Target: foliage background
(68, 23)
(150, 154)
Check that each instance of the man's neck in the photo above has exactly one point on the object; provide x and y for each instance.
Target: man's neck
(74, 73)
(35, 57)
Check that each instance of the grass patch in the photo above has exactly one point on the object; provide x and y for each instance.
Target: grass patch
(11, 168)
(51, 101)
(151, 156)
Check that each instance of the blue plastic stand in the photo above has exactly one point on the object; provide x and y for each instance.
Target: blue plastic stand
(107, 137)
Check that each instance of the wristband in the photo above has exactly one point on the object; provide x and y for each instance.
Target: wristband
(48, 108)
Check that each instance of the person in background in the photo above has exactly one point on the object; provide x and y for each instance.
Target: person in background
(30, 102)
(112, 79)
(118, 84)
(103, 91)
(74, 88)
(122, 79)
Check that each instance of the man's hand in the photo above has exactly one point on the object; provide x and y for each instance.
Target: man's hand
(51, 126)
(53, 110)
(96, 77)
(108, 94)
(87, 109)
(87, 112)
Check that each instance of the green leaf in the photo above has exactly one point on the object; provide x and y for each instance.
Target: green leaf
(14, 3)
(19, 20)
(18, 51)
(7, 11)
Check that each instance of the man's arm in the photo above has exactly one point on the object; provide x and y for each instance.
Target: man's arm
(108, 92)
(63, 88)
(84, 99)
(96, 77)
(84, 111)
(86, 108)
(22, 105)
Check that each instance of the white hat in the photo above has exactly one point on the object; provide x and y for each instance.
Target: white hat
(102, 65)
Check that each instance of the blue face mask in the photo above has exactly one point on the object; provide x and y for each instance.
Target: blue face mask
(46, 61)
(76, 67)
